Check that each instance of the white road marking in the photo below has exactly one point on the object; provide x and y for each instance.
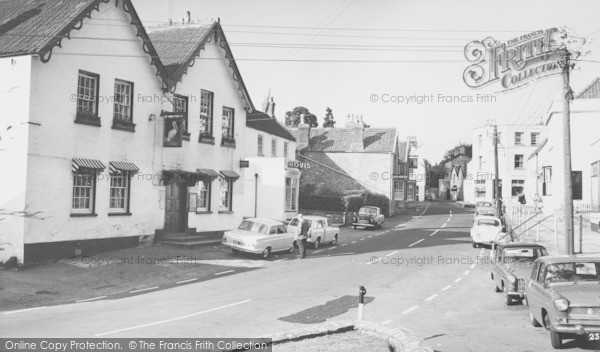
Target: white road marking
(434, 232)
(447, 288)
(330, 248)
(410, 309)
(90, 299)
(319, 251)
(280, 260)
(345, 244)
(428, 204)
(224, 272)
(362, 239)
(473, 266)
(173, 319)
(385, 322)
(378, 259)
(432, 297)
(419, 241)
(184, 281)
(457, 280)
(144, 289)
(467, 272)
(24, 310)
(391, 254)
(353, 242)
(444, 225)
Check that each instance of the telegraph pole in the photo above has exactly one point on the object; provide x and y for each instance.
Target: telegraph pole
(496, 176)
(566, 129)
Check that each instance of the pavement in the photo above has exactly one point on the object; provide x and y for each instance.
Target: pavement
(422, 274)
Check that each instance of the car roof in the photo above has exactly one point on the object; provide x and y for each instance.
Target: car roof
(314, 217)
(265, 221)
(486, 207)
(370, 207)
(519, 245)
(567, 258)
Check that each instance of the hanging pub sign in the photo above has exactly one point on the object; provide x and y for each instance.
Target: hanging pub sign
(173, 127)
(515, 62)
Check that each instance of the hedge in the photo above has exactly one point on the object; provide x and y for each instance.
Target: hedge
(322, 203)
(352, 203)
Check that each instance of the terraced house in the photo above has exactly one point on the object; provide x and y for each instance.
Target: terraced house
(113, 132)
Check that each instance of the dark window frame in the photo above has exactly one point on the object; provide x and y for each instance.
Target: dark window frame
(185, 135)
(92, 119)
(121, 124)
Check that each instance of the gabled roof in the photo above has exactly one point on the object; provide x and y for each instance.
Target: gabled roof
(332, 140)
(35, 27)
(179, 45)
(260, 121)
(592, 91)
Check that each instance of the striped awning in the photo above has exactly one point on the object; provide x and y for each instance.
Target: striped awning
(230, 174)
(121, 166)
(89, 164)
(210, 173)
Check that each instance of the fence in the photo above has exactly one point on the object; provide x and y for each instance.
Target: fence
(530, 225)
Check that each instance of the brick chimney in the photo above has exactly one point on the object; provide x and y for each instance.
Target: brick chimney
(357, 132)
(271, 111)
(303, 134)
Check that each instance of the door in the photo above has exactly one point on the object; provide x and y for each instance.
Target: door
(175, 207)
(318, 230)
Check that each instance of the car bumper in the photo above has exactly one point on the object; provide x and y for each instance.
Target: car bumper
(576, 329)
(362, 224)
(515, 294)
(252, 250)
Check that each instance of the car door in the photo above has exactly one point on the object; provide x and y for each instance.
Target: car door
(318, 230)
(329, 230)
(273, 239)
(535, 292)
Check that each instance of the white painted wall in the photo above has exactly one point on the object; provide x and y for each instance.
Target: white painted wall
(585, 149)
(14, 100)
(58, 139)
(252, 144)
(214, 76)
(506, 153)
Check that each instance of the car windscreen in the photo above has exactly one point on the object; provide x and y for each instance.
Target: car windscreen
(253, 226)
(367, 211)
(520, 255)
(294, 222)
(573, 272)
(488, 222)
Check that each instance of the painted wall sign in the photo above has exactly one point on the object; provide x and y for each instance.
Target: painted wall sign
(516, 62)
(244, 164)
(294, 164)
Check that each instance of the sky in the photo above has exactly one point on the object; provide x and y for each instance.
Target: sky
(354, 56)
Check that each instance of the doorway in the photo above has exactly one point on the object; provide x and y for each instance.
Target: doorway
(175, 207)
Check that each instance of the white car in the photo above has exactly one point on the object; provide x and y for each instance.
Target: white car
(260, 236)
(320, 230)
(485, 230)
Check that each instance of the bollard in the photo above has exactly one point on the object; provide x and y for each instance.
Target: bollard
(362, 291)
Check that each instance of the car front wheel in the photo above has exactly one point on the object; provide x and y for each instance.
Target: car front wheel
(266, 253)
(335, 239)
(507, 300)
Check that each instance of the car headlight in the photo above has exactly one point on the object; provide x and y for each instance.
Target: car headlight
(512, 279)
(561, 304)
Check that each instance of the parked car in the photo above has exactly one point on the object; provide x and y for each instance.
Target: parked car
(320, 231)
(260, 236)
(511, 265)
(368, 217)
(485, 230)
(483, 203)
(563, 295)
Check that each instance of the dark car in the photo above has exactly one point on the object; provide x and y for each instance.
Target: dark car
(368, 217)
(563, 295)
(511, 265)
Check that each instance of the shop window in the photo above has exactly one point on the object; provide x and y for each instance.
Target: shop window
(517, 187)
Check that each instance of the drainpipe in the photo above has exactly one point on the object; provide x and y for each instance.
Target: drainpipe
(255, 194)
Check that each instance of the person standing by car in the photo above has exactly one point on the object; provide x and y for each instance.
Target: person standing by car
(302, 235)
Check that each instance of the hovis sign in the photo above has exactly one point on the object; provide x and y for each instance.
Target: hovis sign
(516, 62)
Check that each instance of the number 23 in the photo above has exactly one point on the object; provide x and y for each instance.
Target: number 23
(594, 336)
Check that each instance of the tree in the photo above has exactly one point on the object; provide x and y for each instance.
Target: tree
(293, 118)
(329, 122)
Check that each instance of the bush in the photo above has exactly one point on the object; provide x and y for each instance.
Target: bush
(378, 200)
(322, 203)
(352, 203)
